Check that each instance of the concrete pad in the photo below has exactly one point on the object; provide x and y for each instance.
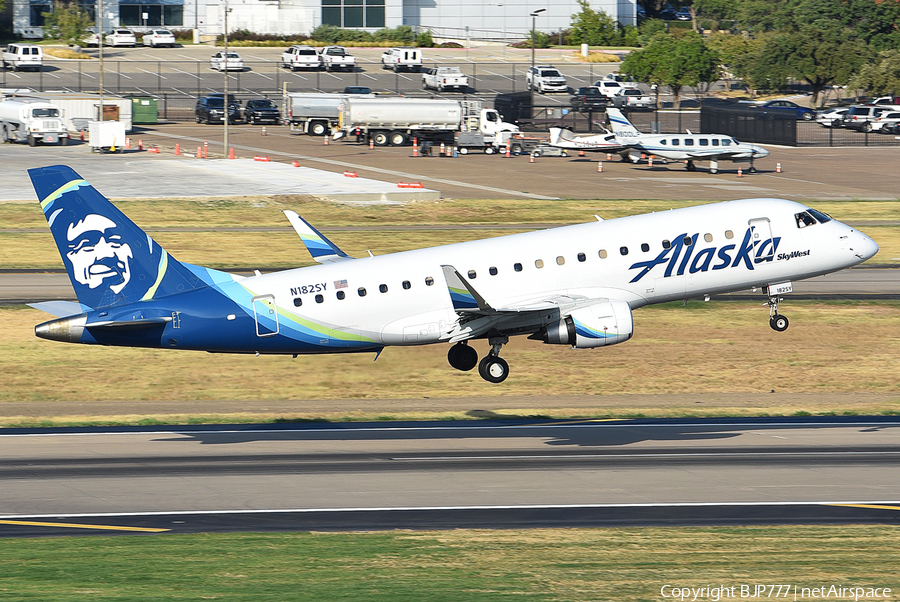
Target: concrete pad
(143, 175)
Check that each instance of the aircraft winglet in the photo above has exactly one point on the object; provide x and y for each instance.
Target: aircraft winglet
(464, 297)
(321, 249)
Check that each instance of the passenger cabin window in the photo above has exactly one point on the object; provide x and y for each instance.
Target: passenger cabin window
(707, 237)
(689, 142)
(674, 141)
(560, 260)
(602, 254)
(340, 295)
(298, 301)
(539, 263)
(362, 292)
(319, 298)
(382, 288)
(726, 142)
(472, 274)
(582, 257)
(804, 219)
(492, 271)
(517, 267)
(687, 241)
(663, 142)
(645, 247)
(407, 285)
(429, 281)
(715, 142)
(729, 234)
(667, 244)
(623, 250)
(703, 142)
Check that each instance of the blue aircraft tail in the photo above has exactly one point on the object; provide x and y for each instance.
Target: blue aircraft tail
(109, 259)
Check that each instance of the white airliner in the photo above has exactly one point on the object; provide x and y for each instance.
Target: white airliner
(605, 142)
(574, 285)
(684, 147)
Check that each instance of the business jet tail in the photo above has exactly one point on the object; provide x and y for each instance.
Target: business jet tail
(620, 124)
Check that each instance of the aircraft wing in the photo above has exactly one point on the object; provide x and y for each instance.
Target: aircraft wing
(321, 249)
(477, 317)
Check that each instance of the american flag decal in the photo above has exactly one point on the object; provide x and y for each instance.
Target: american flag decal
(340, 284)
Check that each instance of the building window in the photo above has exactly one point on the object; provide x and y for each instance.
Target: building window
(36, 14)
(158, 15)
(353, 13)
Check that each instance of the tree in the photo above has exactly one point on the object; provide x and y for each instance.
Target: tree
(881, 76)
(66, 22)
(736, 55)
(593, 27)
(674, 61)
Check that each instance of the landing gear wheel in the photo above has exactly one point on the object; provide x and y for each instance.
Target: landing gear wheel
(752, 169)
(462, 357)
(690, 166)
(493, 368)
(713, 170)
(779, 322)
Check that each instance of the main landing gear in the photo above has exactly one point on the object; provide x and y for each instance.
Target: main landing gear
(492, 367)
(776, 320)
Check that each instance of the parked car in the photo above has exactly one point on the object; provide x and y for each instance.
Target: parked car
(683, 14)
(121, 37)
(159, 37)
(337, 57)
(261, 110)
(301, 57)
(233, 62)
(632, 98)
(211, 109)
(357, 90)
(408, 59)
(609, 87)
(23, 56)
(860, 116)
(545, 78)
(589, 98)
(624, 80)
(786, 107)
(886, 123)
(91, 39)
(832, 118)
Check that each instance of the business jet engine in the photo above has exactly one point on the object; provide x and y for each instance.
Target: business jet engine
(597, 325)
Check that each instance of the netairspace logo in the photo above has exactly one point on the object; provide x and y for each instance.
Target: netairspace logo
(757, 591)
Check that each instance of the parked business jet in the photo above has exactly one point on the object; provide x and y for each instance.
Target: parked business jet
(574, 285)
(684, 147)
(605, 142)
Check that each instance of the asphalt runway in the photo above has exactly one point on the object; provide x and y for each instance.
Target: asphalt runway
(493, 474)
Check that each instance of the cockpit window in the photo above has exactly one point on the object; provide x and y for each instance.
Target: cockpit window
(822, 217)
(804, 219)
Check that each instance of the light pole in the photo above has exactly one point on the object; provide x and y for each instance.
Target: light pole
(531, 85)
(226, 105)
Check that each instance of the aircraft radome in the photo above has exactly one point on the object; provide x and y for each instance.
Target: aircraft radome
(574, 285)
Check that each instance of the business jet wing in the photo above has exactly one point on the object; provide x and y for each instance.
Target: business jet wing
(321, 249)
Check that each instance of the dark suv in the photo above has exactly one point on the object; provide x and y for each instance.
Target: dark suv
(589, 98)
(261, 110)
(212, 109)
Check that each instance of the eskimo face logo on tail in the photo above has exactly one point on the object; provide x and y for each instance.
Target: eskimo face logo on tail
(98, 254)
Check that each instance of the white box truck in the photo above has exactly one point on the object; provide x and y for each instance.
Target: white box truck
(79, 108)
(31, 120)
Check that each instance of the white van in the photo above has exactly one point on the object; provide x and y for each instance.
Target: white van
(23, 56)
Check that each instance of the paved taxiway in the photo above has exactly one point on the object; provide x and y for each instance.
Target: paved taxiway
(369, 476)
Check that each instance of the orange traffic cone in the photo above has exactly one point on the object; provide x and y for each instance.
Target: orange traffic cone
(778, 168)
(231, 153)
(295, 163)
(199, 153)
(82, 135)
(371, 143)
(609, 156)
(531, 158)
(740, 172)
(581, 153)
(326, 140)
(650, 161)
(177, 147)
(264, 131)
(127, 143)
(600, 167)
(140, 144)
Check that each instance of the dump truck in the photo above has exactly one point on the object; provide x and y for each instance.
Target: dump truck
(32, 120)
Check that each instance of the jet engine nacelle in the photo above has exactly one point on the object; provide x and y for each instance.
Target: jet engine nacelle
(597, 325)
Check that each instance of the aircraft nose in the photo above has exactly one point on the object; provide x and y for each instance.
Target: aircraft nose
(760, 151)
(867, 248)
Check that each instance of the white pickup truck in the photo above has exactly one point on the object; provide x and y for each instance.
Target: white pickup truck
(300, 57)
(445, 78)
(337, 57)
(31, 120)
(403, 58)
(631, 98)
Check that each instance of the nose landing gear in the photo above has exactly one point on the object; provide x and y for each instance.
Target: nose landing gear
(776, 320)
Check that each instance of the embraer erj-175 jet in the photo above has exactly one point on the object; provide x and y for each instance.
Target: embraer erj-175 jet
(574, 285)
(683, 147)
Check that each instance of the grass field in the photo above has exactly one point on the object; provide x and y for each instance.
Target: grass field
(25, 243)
(543, 564)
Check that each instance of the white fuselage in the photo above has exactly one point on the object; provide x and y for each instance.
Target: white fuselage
(730, 249)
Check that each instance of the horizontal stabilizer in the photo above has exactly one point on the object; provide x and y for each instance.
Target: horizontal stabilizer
(321, 249)
(60, 309)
